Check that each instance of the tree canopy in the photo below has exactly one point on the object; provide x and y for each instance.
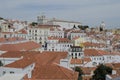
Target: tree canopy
(101, 72)
(83, 27)
(78, 69)
(1, 64)
(34, 23)
(1, 18)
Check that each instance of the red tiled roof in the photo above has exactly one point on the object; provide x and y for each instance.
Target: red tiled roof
(11, 39)
(11, 54)
(64, 40)
(20, 46)
(50, 57)
(50, 72)
(94, 52)
(27, 58)
(86, 59)
(52, 38)
(2, 39)
(88, 44)
(22, 63)
(76, 61)
(88, 70)
(18, 54)
(45, 67)
(86, 77)
(23, 31)
(80, 61)
(7, 32)
(76, 38)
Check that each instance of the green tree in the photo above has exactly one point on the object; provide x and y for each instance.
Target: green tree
(1, 18)
(1, 64)
(79, 70)
(101, 71)
(34, 23)
(83, 27)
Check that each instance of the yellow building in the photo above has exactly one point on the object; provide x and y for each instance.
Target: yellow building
(77, 41)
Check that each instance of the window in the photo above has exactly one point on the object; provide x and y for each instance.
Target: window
(11, 72)
(5, 36)
(79, 54)
(94, 58)
(30, 31)
(103, 58)
(52, 49)
(68, 45)
(75, 55)
(35, 34)
(72, 54)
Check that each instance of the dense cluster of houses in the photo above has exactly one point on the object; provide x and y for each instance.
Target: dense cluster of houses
(50, 51)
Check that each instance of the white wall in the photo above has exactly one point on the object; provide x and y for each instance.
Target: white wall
(64, 63)
(58, 46)
(67, 25)
(6, 61)
(26, 70)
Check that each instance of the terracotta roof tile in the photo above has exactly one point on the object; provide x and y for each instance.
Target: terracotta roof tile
(46, 66)
(23, 31)
(86, 77)
(12, 39)
(64, 40)
(88, 44)
(22, 63)
(88, 70)
(18, 54)
(80, 61)
(53, 38)
(86, 59)
(94, 52)
(27, 58)
(54, 72)
(76, 61)
(2, 39)
(50, 57)
(20, 46)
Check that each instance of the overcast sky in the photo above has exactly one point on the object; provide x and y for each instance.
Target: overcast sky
(88, 12)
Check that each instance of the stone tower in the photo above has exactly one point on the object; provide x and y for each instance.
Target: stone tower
(42, 19)
(102, 26)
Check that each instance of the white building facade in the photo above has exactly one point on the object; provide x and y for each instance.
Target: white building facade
(58, 44)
